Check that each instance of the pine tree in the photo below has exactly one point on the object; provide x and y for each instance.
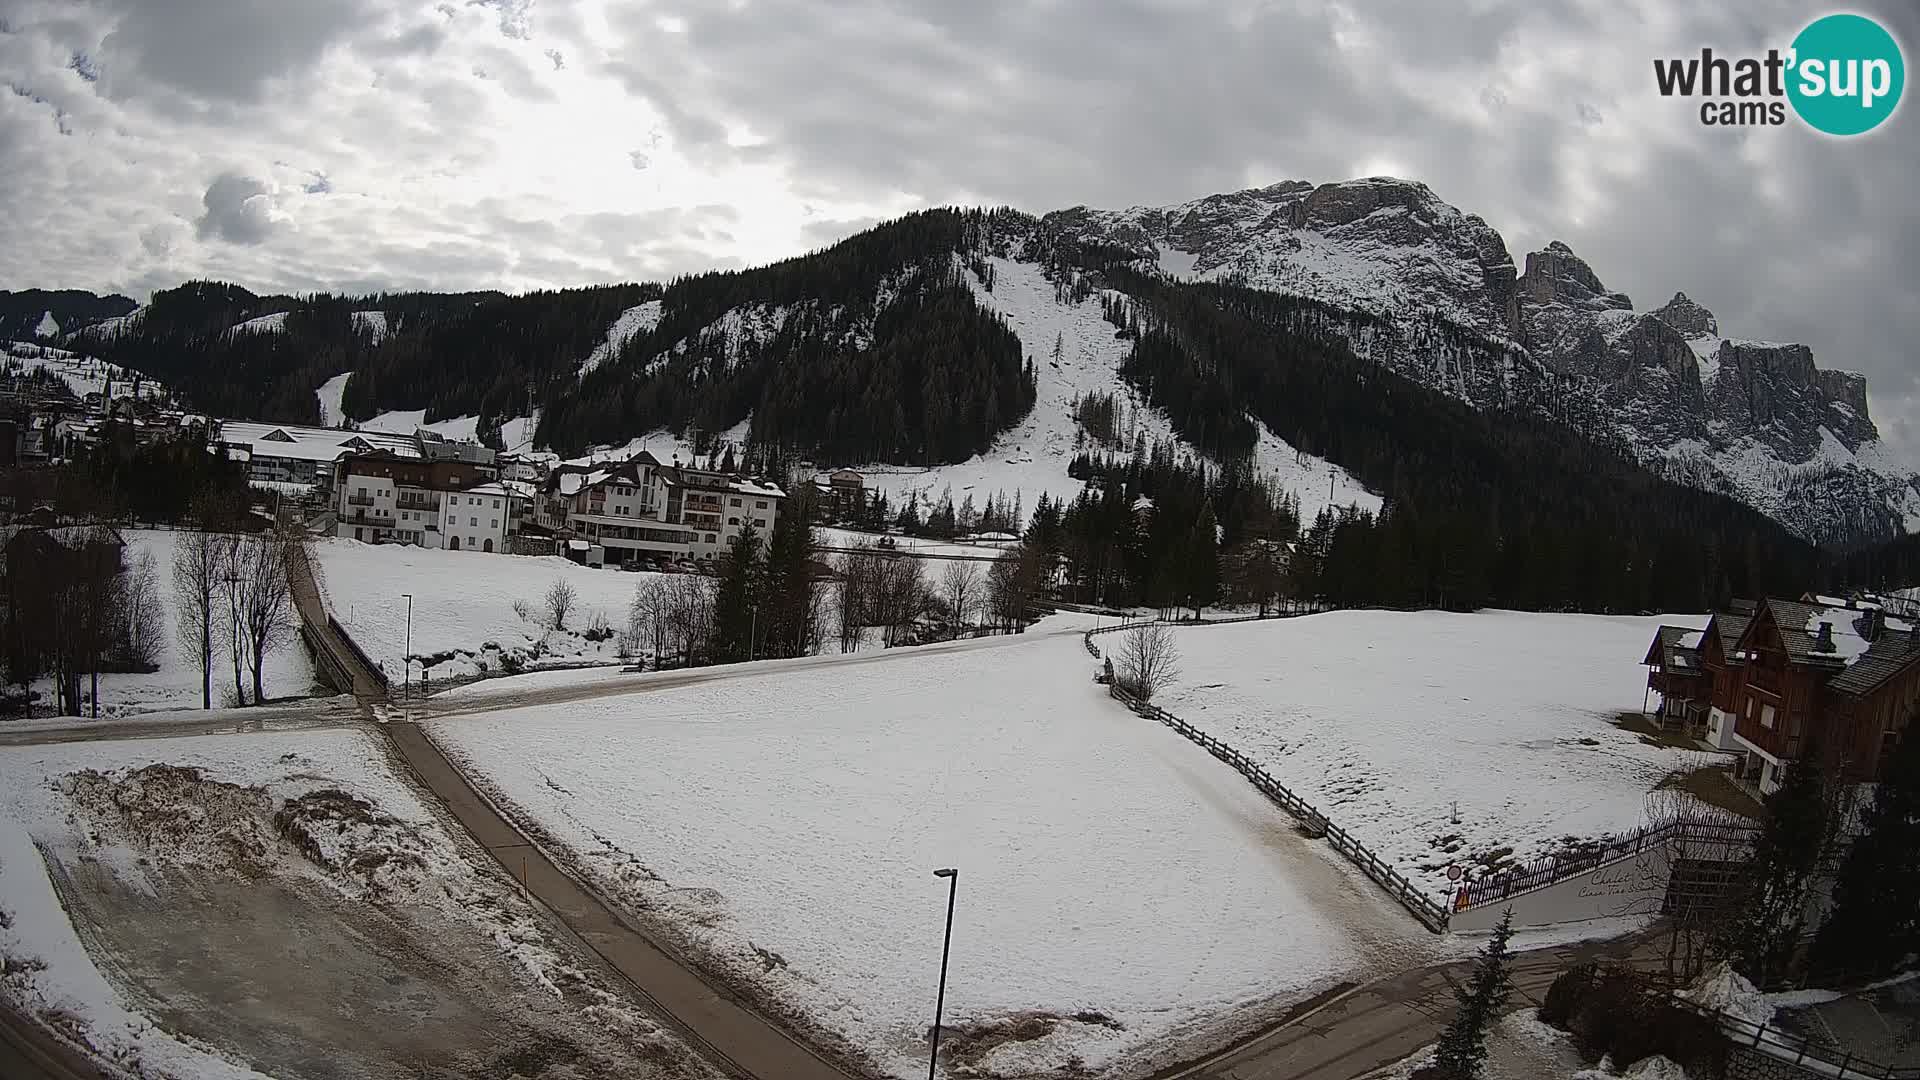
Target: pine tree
(1760, 936)
(1875, 922)
(1202, 556)
(1463, 1046)
(736, 601)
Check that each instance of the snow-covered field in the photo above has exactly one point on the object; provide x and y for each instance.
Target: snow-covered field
(83, 374)
(1435, 737)
(1033, 457)
(288, 672)
(298, 836)
(1119, 891)
(464, 621)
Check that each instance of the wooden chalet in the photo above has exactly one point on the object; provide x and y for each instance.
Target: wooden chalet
(1675, 672)
(1838, 678)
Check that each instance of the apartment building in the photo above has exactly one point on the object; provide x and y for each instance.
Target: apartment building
(640, 510)
(453, 503)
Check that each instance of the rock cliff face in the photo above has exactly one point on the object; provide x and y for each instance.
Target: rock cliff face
(1757, 420)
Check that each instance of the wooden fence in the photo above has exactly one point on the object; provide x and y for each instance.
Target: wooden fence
(1550, 869)
(366, 661)
(1431, 914)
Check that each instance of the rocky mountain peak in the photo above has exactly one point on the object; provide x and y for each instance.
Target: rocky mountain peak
(1689, 318)
(1555, 275)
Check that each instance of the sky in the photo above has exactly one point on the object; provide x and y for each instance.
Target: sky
(361, 145)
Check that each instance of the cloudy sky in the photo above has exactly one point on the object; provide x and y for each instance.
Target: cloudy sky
(460, 144)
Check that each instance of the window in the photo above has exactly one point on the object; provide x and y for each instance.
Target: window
(760, 504)
(1766, 716)
(496, 504)
(496, 523)
(733, 502)
(473, 523)
(709, 538)
(733, 521)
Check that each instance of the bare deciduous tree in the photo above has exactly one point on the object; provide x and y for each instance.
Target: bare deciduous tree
(141, 614)
(1149, 662)
(1012, 581)
(958, 585)
(198, 556)
(266, 600)
(561, 599)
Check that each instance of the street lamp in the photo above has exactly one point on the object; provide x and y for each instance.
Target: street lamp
(406, 658)
(940, 1003)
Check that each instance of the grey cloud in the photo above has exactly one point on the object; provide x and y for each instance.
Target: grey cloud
(160, 240)
(218, 51)
(239, 210)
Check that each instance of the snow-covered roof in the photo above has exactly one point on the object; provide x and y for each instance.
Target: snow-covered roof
(300, 443)
(757, 487)
(1847, 643)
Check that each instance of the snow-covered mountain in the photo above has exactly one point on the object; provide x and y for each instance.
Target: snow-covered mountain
(1755, 420)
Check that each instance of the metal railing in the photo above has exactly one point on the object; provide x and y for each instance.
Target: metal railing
(1817, 1058)
(1551, 869)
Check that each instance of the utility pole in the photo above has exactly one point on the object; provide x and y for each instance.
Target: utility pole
(406, 658)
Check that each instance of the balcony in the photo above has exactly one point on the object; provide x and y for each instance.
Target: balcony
(359, 500)
(405, 503)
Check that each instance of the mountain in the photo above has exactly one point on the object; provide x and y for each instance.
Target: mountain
(1755, 420)
(41, 315)
(964, 349)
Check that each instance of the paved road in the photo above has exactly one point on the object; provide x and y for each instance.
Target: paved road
(30, 1052)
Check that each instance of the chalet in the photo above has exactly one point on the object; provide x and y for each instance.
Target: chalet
(1725, 668)
(1675, 672)
(1839, 679)
(452, 502)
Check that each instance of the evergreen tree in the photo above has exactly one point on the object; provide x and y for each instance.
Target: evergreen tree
(791, 598)
(1463, 1046)
(1875, 922)
(736, 601)
(1202, 558)
(1760, 936)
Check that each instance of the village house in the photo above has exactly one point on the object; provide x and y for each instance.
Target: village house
(1786, 678)
(453, 502)
(639, 511)
(291, 454)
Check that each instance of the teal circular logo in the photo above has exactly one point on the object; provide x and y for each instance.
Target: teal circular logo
(1846, 74)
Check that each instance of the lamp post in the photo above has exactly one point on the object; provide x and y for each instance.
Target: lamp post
(940, 1003)
(406, 658)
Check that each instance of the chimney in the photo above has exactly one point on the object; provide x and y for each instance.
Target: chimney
(1871, 623)
(1823, 641)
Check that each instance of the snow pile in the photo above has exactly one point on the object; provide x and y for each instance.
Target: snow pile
(636, 320)
(1120, 892)
(1656, 1067)
(464, 622)
(1728, 991)
(1433, 737)
(318, 807)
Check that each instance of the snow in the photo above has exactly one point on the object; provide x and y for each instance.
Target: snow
(784, 826)
(115, 326)
(266, 324)
(915, 545)
(664, 445)
(330, 393)
(407, 421)
(417, 874)
(1706, 350)
(83, 374)
(48, 326)
(516, 435)
(1728, 991)
(463, 617)
(287, 672)
(1177, 264)
(373, 322)
(1389, 721)
(1848, 645)
(1033, 456)
(640, 319)
(1692, 640)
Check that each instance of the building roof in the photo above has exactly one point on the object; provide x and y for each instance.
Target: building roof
(303, 443)
(1861, 646)
(1891, 653)
(1675, 649)
(1730, 627)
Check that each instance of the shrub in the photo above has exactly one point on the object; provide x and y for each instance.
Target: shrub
(1563, 998)
(523, 609)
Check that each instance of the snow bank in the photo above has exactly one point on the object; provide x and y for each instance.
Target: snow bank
(1118, 888)
(1727, 990)
(464, 621)
(1435, 737)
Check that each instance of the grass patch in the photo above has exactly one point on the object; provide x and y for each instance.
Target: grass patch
(1653, 734)
(1712, 784)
